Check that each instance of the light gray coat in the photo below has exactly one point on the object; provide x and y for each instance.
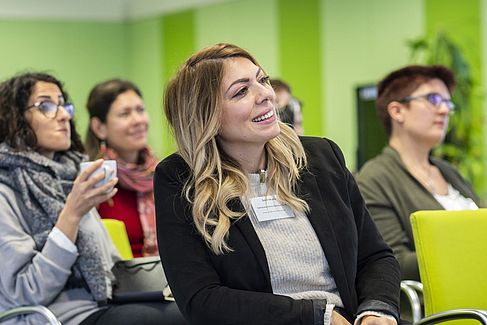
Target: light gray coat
(37, 277)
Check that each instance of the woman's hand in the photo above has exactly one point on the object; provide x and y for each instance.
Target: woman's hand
(337, 319)
(83, 197)
(376, 320)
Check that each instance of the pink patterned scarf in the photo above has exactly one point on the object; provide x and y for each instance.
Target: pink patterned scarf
(138, 178)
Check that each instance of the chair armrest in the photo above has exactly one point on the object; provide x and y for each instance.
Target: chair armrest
(416, 285)
(410, 289)
(477, 314)
(52, 320)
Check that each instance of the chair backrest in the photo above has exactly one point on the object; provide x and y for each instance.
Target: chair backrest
(118, 233)
(451, 248)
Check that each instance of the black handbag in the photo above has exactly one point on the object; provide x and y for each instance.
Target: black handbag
(140, 279)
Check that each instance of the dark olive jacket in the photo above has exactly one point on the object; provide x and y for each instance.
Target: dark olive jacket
(392, 193)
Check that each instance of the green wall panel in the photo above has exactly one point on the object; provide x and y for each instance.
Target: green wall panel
(239, 22)
(78, 53)
(178, 41)
(300, 57)
(461, 20)
(177, 46)
(145, 70)
(323, 48)
(483, 94)
(361, 42)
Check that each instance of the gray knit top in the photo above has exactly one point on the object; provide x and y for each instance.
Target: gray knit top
(297, 264)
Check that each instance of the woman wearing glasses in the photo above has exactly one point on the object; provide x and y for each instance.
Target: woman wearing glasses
(118, 130)
(414, 104)
(54, 249)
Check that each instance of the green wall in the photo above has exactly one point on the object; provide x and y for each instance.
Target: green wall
(300, 57)
(362, 41)
(178, 41)
(84, 53)
(78, 53)
(240, 23)
(145, 69)
(483, 93)
(323, 48)
(178, 44)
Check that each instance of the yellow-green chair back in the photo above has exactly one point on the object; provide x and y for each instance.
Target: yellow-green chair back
(451, 248)
(118, 233)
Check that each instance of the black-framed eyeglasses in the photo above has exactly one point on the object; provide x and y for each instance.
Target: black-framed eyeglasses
(434, 99)
(49, 109)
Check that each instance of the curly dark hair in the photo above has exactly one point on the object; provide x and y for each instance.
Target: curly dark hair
(14, 97)
(403, 82)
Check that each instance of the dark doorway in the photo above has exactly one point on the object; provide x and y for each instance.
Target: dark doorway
(371, 135)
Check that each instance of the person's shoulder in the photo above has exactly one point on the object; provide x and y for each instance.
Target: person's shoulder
(316, 145)
(378, 167)
(443, 164)
(172, 161)
(173, 166)
(309, 141)
(10, 201)
(322, 153)
(446, 168)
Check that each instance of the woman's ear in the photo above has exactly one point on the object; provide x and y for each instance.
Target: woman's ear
(395, 110)
(99, 128)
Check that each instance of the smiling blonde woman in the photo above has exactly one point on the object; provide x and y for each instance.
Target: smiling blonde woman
(256, 225)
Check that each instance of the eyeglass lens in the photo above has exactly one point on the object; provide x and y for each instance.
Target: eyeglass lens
(50, 109)
(436, 100)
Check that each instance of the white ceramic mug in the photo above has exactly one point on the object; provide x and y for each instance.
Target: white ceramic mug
(108, 168)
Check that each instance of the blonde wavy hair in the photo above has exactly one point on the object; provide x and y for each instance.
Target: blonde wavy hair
(193, 108)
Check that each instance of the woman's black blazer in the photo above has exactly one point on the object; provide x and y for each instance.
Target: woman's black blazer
(235, 288)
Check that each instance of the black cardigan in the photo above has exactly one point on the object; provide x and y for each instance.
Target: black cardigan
(235, 288)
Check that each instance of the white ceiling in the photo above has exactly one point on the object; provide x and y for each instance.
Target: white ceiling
(103, 10)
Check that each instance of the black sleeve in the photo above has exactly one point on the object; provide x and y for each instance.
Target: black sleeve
(378, 275)
(194, 279)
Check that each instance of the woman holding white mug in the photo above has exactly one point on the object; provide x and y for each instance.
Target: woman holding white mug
(59, 254)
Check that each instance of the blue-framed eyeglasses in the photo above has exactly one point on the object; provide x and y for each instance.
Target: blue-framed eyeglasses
(434, 99)
(49, 109)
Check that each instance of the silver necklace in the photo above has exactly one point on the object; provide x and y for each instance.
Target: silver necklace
(426, 180)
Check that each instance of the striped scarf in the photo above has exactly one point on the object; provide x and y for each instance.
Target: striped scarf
(138, 178)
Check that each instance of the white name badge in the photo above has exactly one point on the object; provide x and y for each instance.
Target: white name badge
(269, 208)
